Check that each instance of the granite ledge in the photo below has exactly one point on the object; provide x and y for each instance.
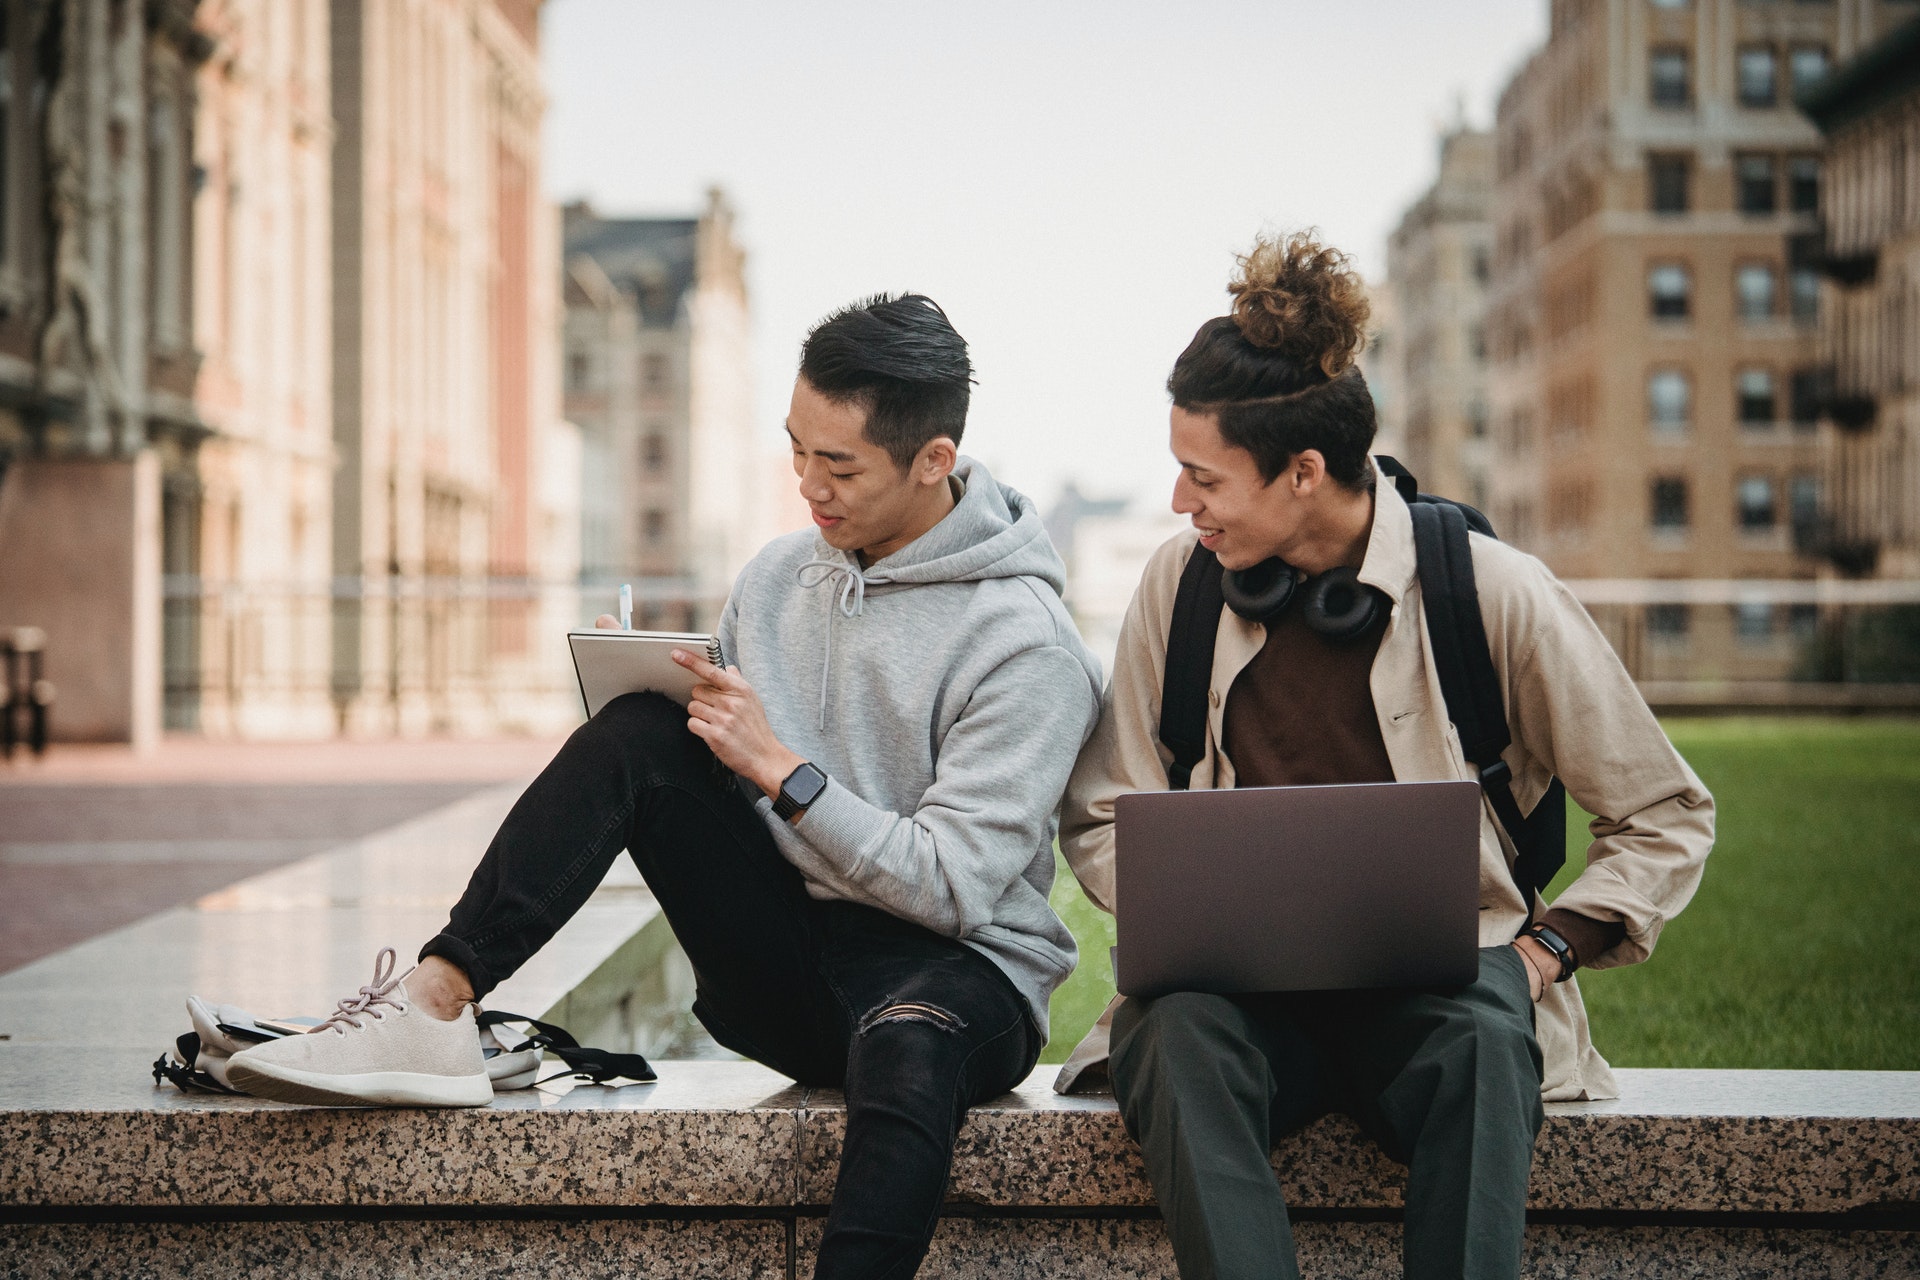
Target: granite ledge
(733, 1134)
(1675, 1141)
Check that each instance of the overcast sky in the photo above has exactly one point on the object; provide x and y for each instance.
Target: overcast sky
(1070, 181)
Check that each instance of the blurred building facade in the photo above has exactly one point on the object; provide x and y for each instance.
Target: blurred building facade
(1439, 260)
(1869, 518)
(97, 355)
(1380, 361)
(1654, 380)
(1104, 542)
(444, 327)
(249, 528)
(675, 479)
(279, 383)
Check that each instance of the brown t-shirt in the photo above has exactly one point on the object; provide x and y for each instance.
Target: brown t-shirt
(1301, 713)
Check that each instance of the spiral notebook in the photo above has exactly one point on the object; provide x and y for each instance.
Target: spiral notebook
(610, 663)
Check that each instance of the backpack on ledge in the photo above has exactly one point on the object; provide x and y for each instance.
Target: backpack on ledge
(1468, 682)
(198, 1063)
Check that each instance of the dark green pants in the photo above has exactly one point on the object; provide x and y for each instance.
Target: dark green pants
(1448, 1083)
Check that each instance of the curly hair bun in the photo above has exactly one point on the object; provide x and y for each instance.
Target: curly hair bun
(1303, 300)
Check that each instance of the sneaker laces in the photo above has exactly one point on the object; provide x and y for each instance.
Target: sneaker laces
(371, 996)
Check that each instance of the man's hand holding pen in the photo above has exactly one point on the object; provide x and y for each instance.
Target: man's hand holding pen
(726, 714)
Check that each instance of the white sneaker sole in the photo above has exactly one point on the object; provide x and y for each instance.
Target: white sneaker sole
(368, 1089)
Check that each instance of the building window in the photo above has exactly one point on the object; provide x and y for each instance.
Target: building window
(1807, 67)
(1753, 286)
(1669, 505)
(1803, 501)
(1803, 184)
(1754, 185)
(1753, 621)
(1667, 79)
(1755, 395)
(1755, 501)
(653, 452)
(1803, 620)
(1757, 78)
(1669, 401)
(1804, 399)
(1803, 294)
(1668, 290)
(1667, 181)
(1667, 622)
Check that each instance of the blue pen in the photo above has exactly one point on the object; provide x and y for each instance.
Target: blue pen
(626, 607)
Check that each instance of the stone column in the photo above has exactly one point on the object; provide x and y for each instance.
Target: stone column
(80, 558)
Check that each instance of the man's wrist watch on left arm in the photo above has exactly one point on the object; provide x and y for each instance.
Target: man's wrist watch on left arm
(801, 788)
(1561, 949)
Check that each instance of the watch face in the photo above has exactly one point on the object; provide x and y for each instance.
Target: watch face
(805, 786)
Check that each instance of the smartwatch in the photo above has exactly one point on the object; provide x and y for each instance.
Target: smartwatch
(802, 787)
(1562, 949)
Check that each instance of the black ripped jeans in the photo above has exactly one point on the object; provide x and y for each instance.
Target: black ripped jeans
(915, 1026)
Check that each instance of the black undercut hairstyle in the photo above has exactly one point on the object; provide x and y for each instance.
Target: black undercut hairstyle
(900, 360)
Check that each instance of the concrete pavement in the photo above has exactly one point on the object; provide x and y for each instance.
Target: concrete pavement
(95, 838)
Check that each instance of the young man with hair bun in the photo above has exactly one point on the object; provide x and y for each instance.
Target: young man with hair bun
(1271, 427)
(864, 896)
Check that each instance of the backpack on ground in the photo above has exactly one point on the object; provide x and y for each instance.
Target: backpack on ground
(1469, 683)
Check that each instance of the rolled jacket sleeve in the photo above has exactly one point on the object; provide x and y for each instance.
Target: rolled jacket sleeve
(1125, 753)
(1580, 716)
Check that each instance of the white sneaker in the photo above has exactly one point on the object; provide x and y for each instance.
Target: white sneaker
(377, 1050)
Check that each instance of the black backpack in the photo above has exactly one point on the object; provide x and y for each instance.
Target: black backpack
(1468, 682)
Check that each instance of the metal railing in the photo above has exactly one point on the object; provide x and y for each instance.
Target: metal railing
(402, 654)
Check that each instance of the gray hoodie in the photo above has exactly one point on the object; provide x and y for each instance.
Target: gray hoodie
(945, 692)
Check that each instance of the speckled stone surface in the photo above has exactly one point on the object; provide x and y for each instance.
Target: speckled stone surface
(96, 1131)
(710, 1133)
(1754, 1141)
(1137, 1249)
(588, 1250)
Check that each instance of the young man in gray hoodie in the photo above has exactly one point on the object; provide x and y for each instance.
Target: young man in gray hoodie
(864, 895)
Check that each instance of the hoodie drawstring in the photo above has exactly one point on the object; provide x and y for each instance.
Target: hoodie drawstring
(851, 603)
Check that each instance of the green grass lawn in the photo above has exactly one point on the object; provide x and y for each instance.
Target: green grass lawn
(1802, 948)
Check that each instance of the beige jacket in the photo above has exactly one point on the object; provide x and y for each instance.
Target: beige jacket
(1573, 711)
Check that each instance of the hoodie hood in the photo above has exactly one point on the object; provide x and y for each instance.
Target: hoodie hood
(993, 531)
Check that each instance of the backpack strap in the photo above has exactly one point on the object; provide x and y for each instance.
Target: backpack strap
(595, 1065)
(1402, 478)
(1189, 665)
(1471, 689)
(180, 1071)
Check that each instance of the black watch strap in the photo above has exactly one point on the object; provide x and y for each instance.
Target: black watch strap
(1562, 949)
(802, 787)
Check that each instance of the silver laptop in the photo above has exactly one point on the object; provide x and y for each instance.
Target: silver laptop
(1297, 888)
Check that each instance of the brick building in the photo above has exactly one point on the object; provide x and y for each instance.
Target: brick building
(1869, 521)
(1654, 386)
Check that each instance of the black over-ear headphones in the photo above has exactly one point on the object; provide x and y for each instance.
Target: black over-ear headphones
(1338, 605)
